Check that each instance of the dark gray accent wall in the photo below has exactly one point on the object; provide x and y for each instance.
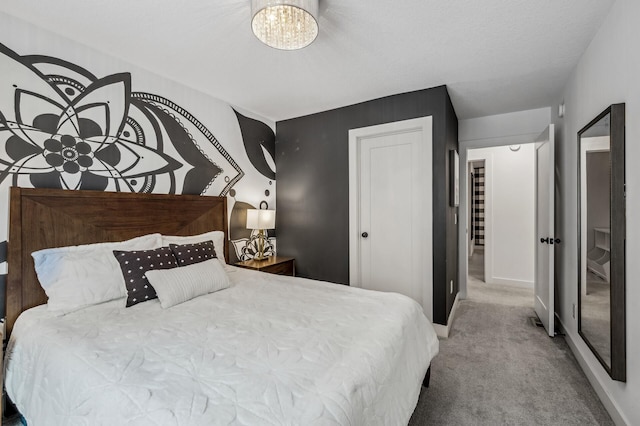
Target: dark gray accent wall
(450, 239)
(313, 187)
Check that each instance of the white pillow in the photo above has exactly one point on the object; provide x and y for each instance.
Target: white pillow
(75, 277)
(216, 236)
(178, 285)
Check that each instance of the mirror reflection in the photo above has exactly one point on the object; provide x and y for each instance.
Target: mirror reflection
(596, 237)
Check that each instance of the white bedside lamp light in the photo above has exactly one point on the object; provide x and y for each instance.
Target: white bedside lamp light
(261, 220)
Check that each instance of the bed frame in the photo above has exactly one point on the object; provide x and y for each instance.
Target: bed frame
(43, 218)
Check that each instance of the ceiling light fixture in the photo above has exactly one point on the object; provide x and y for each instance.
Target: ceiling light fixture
(285, 24)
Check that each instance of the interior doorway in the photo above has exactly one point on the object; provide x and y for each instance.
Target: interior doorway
(518, 222)
(501, 224)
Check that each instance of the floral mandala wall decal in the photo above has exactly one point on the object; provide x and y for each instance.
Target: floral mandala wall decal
(61, 126)
(69, 129)
(81, 138)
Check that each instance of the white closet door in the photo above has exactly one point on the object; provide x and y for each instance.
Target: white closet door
(391, 218)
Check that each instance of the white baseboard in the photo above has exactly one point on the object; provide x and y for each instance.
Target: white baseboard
(609, 404)
(443, 330)
(507, 281)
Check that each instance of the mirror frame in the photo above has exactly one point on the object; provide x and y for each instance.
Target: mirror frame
(618, 369)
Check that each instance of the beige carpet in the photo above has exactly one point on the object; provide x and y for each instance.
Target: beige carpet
(497, 368)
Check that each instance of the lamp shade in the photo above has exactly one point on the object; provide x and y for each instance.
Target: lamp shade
(285, 24)
(261, 219)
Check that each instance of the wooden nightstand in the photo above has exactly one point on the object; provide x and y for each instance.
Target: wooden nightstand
(279, 265)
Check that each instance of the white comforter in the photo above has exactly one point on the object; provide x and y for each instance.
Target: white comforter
(270, 350)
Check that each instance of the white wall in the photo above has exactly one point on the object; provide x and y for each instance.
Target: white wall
(509, 213)
(503, 129)
(496, 130)
(608, 72)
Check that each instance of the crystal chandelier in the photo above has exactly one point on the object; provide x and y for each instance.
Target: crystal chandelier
(285, 24)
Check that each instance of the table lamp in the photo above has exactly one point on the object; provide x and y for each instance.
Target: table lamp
(261, 220)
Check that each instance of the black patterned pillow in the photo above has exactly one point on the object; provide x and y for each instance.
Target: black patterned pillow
(188, 254)
(135, 264)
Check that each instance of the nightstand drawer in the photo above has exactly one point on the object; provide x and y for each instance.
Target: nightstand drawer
(273, 265)
(285, 268)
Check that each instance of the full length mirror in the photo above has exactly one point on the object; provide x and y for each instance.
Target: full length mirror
(601, 301)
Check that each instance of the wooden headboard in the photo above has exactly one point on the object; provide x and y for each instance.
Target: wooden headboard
(44, 218)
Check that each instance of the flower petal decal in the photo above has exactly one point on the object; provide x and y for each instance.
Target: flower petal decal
(259, 143)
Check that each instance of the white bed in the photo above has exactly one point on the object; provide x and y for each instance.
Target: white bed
(252, 349)
(268, 350)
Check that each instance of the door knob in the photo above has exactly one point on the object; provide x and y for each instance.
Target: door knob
(365, 235)
(550, 240)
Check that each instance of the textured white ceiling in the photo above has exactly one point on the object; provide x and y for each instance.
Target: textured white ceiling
(495, 56)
